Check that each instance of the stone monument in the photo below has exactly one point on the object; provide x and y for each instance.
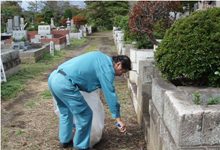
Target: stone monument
(67, 40)
(52, 48)
(52, 23)
(68, 24)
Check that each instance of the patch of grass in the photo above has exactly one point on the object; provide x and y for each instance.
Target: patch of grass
(78, 42)
(46, 94)
(211, 101)
(196, 98)
(16, 83)
(19, 132)
(92, 48)
(30, 104)
(214, 100)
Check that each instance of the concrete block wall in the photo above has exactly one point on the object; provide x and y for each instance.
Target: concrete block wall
(176, 123)
(140, 76)
(32, 56)
(11, 62)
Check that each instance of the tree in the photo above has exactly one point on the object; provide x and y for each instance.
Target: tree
(8, 10)
(145, 14)
(68, 13)
(79, 20)
(34, 8)
(48, 14)
(52, 9)
(101, 14)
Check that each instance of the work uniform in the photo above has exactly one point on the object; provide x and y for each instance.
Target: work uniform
(86, 72)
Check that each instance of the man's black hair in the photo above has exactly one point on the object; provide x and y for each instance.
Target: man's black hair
(125, 61)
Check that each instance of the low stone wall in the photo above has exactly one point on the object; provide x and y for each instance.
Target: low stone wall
(77, 35)
(11, 62)
(32, 56)
(177, 123)
(140, 81)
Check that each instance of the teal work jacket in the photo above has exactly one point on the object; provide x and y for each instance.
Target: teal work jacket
(91, 71)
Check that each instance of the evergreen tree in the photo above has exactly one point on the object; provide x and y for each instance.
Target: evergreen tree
(101, 14)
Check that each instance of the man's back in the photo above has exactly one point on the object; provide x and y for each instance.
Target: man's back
(85, 70)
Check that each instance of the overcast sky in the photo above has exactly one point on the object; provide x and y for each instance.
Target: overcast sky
(79, 3)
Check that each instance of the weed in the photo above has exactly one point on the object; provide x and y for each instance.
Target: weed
(78, 42)
(92, 48)
(19, 132)
(46, 94)
(213, 100)
(196, 98)
(30, 104)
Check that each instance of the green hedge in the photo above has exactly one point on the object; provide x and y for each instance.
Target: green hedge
(189, 54)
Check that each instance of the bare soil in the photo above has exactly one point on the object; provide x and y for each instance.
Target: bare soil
(28, 122)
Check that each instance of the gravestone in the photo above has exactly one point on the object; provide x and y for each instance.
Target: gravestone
(67, 39)
(68, 24)
(9, 26)
(44, 30)
(20, 35)
(71, 23)
(3, 76)
(16, 23)
(22, 23)
(52, 23)
(52, 47)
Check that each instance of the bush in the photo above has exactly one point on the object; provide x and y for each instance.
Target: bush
(141, 40)
(189, 54)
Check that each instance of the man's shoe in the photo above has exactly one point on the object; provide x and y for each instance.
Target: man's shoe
(66, 145)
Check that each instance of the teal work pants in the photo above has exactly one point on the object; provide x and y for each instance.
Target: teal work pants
(71, 104)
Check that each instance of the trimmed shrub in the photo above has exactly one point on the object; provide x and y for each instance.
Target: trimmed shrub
(189, 54)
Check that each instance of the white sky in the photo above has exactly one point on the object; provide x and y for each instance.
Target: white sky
(79, 3)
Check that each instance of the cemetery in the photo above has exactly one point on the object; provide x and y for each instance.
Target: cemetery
(173, 87)
(22, 46)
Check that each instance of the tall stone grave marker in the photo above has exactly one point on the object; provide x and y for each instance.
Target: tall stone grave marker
(16, 23)
(52, 23)
(52, 48)
(3, 76)
(68, 24)
(67, 39)
(9, 26)
(22, 23)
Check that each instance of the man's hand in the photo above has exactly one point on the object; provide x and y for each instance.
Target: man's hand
(121, 126)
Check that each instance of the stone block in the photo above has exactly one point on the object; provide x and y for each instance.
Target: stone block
(143, 54)
(155, 140)
(159, 86)
(145, 100)
(15, 54)
(167, 140)
(133, 76)
(6, 56)
(133, 55)
(194, 148)
(213, 147)
(211, 125)
(134, 66)
(183, 120)
(145, 69)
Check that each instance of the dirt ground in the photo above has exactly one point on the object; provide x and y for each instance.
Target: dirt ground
(28, 122)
